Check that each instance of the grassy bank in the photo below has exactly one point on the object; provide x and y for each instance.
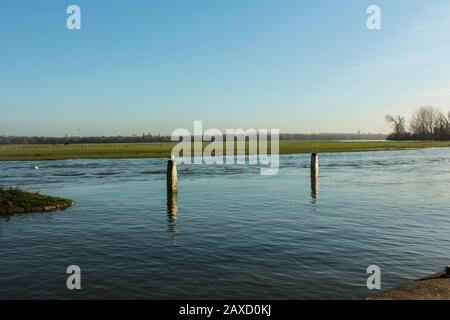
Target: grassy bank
(434, 287)
(162, 150)
(17, 201)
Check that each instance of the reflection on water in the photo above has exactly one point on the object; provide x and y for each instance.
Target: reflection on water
(172, 211)
(315, 187)
(314, 177)
(238, 234)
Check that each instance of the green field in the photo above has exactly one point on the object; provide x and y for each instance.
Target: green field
(163, 150)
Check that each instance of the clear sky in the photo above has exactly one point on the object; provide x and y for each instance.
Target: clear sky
(154, 66)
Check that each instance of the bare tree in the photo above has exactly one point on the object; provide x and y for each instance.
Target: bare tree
(424, 120)
(426, 123)
(398, 123)
(442, 126)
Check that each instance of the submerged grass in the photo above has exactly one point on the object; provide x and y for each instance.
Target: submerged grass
(18, 201)
(163, 150)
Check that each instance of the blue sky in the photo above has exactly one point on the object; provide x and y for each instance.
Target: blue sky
(154, 66)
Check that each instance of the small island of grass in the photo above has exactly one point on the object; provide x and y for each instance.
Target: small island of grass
(13, 201)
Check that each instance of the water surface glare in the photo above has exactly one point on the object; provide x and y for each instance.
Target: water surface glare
(230, 233)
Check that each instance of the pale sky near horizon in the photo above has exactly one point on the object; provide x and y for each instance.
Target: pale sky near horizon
(154, 66)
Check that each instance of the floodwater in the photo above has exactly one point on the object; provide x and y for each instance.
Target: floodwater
(230, 233)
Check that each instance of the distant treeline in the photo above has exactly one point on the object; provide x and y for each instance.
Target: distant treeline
(82, 140)
(427, 123)
(332, 136)
(148, 138)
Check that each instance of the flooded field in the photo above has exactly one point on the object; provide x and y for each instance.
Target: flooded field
(230, 233)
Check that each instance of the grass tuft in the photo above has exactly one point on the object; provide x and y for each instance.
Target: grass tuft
(13, 200)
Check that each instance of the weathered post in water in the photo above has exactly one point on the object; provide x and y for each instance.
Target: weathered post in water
(314, 174)
(314, 165)
(172, 181)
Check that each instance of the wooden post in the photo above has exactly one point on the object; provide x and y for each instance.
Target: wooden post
(172, 182)
(172, 188)
(314, 174)
(314, 164)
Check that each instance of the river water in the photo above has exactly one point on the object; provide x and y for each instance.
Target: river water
(230, 233)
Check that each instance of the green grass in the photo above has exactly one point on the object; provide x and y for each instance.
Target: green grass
(18, 201)
(163, 150)
(288, 147)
